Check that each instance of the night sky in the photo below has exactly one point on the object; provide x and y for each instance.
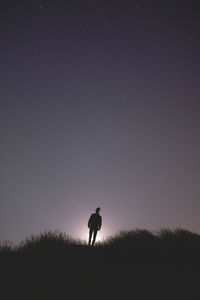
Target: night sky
(99, 106)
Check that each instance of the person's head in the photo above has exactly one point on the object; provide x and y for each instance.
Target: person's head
(97, 210)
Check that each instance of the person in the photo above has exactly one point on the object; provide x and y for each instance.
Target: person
(94, 225)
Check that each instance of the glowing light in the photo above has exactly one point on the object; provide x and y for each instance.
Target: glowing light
(84, 235)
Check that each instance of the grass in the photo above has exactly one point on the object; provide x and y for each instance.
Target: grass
(136, 264)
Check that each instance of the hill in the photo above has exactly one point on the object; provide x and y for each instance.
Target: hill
(131, 265)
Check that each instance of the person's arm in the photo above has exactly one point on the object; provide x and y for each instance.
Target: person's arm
(89, 222)
(100, 222)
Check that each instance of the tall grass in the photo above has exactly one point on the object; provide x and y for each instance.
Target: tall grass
(136, 264)
(51, 240)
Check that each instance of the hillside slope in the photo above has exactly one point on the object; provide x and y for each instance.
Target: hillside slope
(132, 265)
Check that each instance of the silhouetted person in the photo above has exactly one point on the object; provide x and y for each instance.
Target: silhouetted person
(94, 224)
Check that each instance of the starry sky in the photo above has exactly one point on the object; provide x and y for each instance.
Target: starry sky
(99, 106)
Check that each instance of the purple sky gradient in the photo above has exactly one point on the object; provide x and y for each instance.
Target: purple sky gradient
(99, 106)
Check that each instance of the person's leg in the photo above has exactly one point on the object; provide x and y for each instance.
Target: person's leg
(94, 236)
(90, 236)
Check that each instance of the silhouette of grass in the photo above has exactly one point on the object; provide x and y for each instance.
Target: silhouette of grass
(48, 241)
(139, 264)
(6, 247)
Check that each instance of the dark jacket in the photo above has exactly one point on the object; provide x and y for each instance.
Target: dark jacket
(95, 222)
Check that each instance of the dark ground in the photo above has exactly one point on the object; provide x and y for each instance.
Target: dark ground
(133, 265)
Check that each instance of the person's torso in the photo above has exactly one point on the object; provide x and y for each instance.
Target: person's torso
(95, 220)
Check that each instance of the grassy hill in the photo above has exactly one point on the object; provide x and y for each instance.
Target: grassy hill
(131, 265)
